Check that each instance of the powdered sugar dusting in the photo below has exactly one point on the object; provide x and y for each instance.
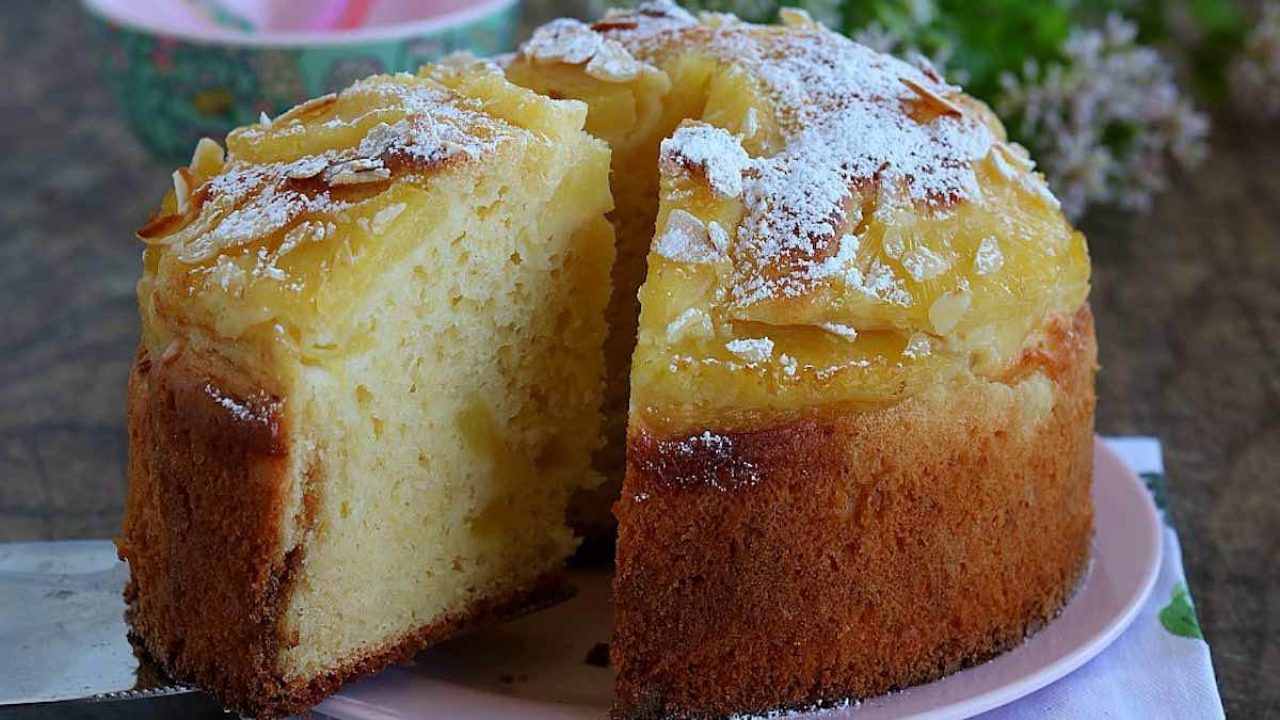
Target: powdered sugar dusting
(256, 409)
(707, 458)
(798, 712)
(855, 131)
(710, 151)
(751, 350)
(250, 201)
(988, 259)
(573, 42)
(686, 239)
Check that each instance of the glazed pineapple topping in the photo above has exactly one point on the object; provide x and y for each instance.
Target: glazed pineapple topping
(837, 224)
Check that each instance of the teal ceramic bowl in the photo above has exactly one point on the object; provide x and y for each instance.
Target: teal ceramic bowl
(177, 80)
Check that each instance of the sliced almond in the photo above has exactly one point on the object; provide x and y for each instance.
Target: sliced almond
(612, 63)
(844, 332)
(692, 323)
(948, 309)
(988, 258)
(574, 43)
(158, 230)
(796, 17)
(307, 167)
(360, 178)
(615, 22)
(208, 158)
(311, 108)
(686, 239)
(918, 345)
(171, 352)
(357, 172)
(936, 102)
(183, 182)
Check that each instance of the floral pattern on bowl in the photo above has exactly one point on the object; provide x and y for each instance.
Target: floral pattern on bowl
(174, 89)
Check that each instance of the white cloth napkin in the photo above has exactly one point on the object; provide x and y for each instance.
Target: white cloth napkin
(1160, 666)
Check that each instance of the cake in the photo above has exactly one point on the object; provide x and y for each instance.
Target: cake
(838, 381)
(860, 407)
(368, 381)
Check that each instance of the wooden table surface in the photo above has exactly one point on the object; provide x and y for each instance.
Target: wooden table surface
(1187, 302)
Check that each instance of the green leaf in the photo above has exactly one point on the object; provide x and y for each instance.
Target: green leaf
(1179, 616)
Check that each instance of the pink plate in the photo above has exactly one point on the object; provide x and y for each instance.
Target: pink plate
(534, 666)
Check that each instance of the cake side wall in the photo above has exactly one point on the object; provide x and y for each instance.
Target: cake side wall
(210, 577)
(203, 531)
(849, 554)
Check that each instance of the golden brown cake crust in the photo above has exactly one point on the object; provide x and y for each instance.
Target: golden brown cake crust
(846, 554)
(202, 536)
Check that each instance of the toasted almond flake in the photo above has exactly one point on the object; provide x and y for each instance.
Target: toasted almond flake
(924, 264)
(614, 22)
(939, 104)
(159, 229)
(450, 149)
(988, 258)
(171, 352)
(946, 311)
(710, 151)
(844, 332)
(918, 345)
(750, 124)
(692, 323)
(307, 167)
(718, 237)
(1016, 154)
(311, 108)
(362, 164)
(384, 217)
(357, 172)
(208, 158)
(1040, 188)
(360, 178)
(182, 186)
(796, 17)
(612, 63)
(574, 43)
(686, 239)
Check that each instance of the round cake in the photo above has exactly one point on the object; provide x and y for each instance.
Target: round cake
(859, 434)
(848, 372)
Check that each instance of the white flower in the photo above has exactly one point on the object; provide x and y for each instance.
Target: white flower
(1107, 123)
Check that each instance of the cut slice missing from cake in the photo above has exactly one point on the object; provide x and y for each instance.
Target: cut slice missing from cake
(368, 381)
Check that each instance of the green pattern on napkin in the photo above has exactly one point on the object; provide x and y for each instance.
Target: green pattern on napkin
(1155, 485)
(1179, 616)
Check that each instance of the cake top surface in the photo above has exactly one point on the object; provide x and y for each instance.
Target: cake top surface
(317, 160)
(835, 224)
(850, 120)
(289, 223)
